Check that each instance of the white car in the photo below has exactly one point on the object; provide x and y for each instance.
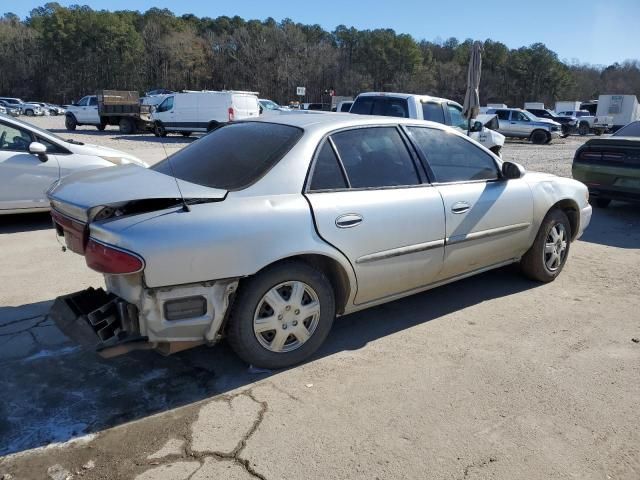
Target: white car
(31, 159)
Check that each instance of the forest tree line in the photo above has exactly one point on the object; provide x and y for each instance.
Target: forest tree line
(58, 54)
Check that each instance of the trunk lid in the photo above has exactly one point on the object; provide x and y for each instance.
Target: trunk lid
(103, 193)
(76, 194)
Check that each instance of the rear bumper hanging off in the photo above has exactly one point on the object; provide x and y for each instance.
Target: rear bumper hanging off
(94, 318)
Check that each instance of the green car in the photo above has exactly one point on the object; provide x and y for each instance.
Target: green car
(610, 166)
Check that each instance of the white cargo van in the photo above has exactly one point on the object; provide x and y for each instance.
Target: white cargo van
(623, 108)
(202, 111)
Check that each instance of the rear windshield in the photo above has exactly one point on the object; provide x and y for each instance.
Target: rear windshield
(233, 156)
(630, 130)
(383, 105)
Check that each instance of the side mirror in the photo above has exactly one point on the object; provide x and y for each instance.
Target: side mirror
(512, 170)
(477, 126)
(261, 109)
(36, 148)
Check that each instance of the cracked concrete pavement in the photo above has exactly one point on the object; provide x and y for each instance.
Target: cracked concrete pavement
(492, 377)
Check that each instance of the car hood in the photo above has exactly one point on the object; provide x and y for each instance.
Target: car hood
(111, 154)
(76, 194)
(547, 121)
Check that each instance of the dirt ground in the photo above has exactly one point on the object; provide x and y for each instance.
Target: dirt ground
(493, 377)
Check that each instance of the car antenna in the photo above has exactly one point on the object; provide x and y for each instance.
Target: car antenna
(185, 205)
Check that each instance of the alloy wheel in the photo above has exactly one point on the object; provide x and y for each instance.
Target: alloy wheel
(555, 247)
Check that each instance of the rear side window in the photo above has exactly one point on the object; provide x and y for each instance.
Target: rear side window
(327, 174)
(375, 157)
(503, 114)
(384, 106)
(93, 101)
(452, 158)
(233, 156)
(630, 130)
(433, 112)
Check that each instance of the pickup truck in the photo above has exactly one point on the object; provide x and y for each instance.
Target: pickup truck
(517, 123)
(588, 123)
(426, 107)
(110, 107)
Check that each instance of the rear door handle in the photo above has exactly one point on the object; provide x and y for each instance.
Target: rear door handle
(460, 207)
(348, 220)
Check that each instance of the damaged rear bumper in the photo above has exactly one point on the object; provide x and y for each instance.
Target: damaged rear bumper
(95, 318)
(130, 317)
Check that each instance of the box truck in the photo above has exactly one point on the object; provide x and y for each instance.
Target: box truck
(534, 105)
(623, 108)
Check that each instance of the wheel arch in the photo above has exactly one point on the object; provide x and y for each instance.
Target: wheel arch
(338, 276)
(570, 208)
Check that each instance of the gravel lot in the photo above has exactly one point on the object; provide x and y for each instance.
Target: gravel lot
(491, 377)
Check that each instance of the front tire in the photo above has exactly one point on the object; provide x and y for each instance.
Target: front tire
(159, 130)
(540, 137)
(546, 258)
(282, 315)
(70, 122)
(583, 128)
(29, 113)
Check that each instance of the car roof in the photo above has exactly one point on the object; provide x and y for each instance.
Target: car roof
(327, 121)
(406, 95)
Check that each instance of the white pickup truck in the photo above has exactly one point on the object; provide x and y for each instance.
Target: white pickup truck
(588, 123)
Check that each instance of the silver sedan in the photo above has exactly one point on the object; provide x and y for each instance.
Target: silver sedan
(264, 231)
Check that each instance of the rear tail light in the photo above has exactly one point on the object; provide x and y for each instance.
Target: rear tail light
(107, 259)
(602, 156)
(231, 114)
(591, 156)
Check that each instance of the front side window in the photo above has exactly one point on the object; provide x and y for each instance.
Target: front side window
(14, 139)
(327, 174)
(433, 112)
(375, 157)
(84, 101)
(520, 117)
(457, 120)
(453, 158)
(233, 156)
(166, 105)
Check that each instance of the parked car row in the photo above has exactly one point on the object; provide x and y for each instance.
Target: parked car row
(16, 106)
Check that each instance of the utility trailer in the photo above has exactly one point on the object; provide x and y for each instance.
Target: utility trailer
(123, 108)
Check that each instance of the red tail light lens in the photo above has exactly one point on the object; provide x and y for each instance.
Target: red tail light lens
(107, 259)
(231, 114)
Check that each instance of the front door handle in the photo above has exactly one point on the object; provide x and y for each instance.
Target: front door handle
(348, 220)
(460, 207)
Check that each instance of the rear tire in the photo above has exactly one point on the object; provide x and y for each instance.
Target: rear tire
(101, 127)
(70, 122)
(547, 256)
(212, 126)
(540, 137)
(602, 202)
(262, 301)
(127, 126)
(497, 150)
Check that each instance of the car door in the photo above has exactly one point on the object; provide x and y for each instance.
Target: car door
(506, 128)
(371, 202)
(520, 124)
(24, 178)
(92, 114)
(488, 218)
(80, 110)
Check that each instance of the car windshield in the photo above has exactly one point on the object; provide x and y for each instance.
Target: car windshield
(630, 130)
(47, 132)
(233, 156)
(269, 105)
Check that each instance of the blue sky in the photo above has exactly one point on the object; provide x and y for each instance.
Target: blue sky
(590, 31)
